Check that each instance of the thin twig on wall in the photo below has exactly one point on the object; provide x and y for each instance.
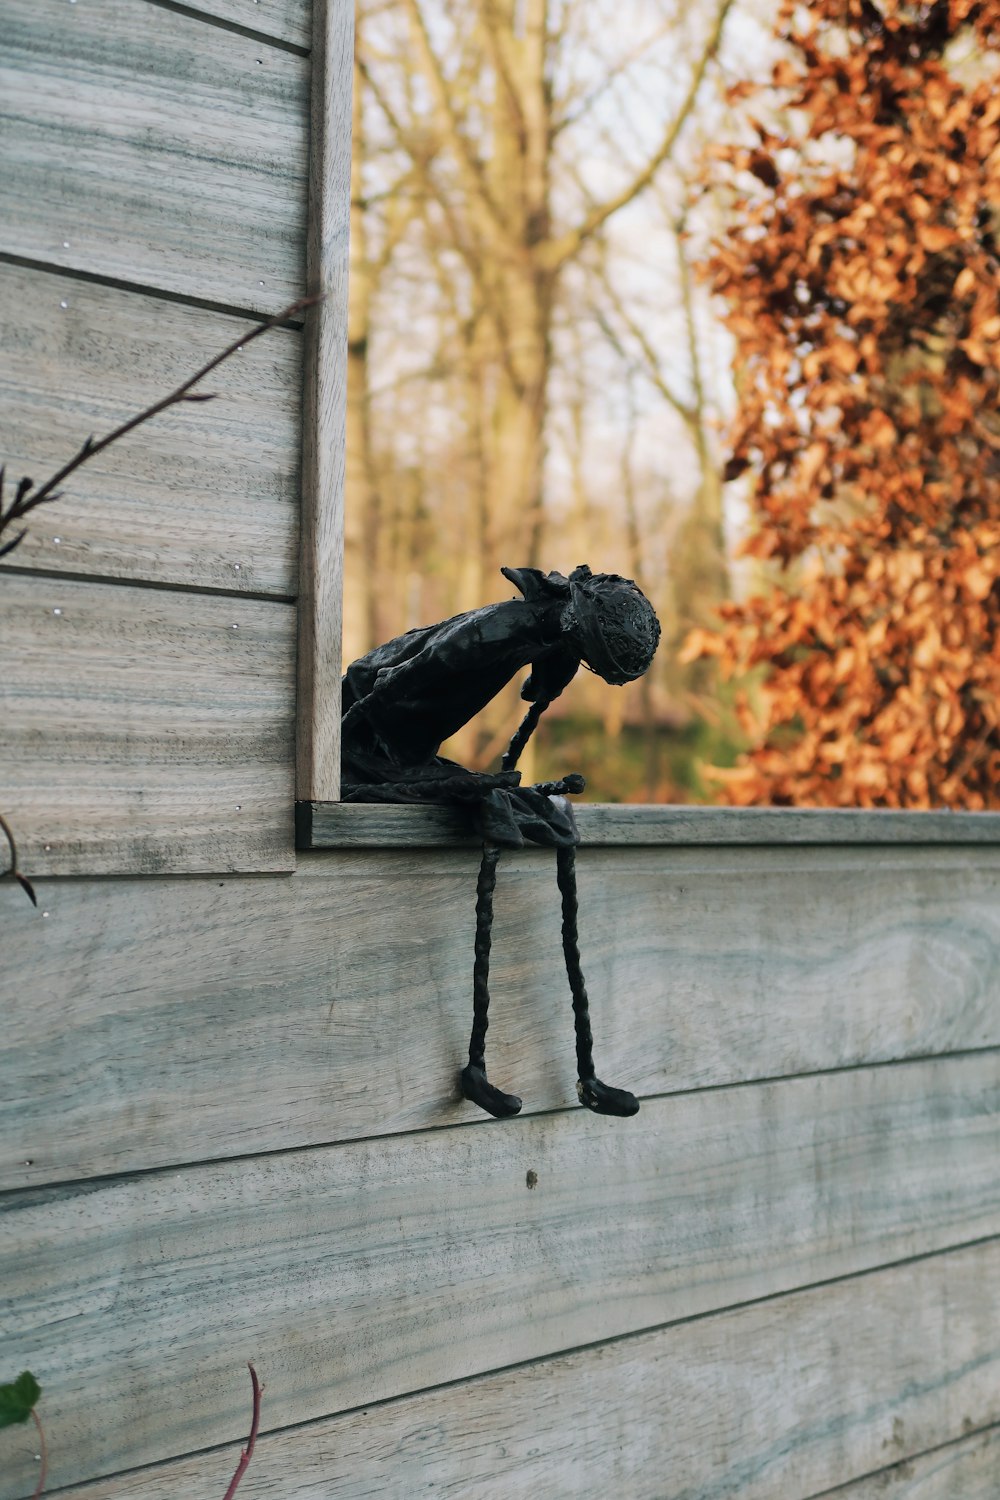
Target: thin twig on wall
(247, 1453)
(14, 872)
(28, 495)
(43, 1456)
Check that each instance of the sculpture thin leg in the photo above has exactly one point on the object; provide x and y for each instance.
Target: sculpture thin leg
(475, 1085)
(595, 1095)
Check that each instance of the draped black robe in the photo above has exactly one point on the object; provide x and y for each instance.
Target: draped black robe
(402, 700)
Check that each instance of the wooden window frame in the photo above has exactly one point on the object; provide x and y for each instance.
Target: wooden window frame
(322, 821)
(325, 407)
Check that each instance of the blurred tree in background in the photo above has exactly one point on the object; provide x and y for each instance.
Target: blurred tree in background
(861, 279)
(532, 377)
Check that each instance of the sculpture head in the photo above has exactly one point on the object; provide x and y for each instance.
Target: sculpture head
(614, 623)
(606, 618)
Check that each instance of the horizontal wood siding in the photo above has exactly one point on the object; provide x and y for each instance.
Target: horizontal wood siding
(360, 1272)
(965, 1470)
(206, 1018)
(143, 144)
(145, 729)
(155, 165)
(760, 1403)
(205, 496)
(284, 20)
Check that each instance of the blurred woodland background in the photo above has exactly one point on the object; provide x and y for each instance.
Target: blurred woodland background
(705, 292)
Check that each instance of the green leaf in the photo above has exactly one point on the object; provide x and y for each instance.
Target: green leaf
(17, 1399)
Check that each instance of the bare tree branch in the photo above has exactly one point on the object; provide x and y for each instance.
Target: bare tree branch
(43, 1455)
(694, 353)
(468, 163)
(564, 246)
(587, 102)
(496, 38)
(651, 367)
(472, 258)
(14, 871)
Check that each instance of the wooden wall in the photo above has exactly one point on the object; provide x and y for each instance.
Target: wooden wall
(231, 1131)
(152, 203)
(229, 1121)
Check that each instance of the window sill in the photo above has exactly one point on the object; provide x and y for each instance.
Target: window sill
(370, 825)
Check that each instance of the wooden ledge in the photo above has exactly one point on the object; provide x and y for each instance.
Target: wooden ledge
(371, 825)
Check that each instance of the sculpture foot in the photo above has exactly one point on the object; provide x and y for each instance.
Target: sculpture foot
(604, 1100)
(478, 1090)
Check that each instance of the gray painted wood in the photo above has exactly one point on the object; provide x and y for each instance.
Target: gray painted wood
(768, 1402)
(286, 20)
(361, 1272)
(337, 825)
(966, 1470)
(205, 496)
(145, 145)
(202, 1018)
(145, 730)
(320, 608)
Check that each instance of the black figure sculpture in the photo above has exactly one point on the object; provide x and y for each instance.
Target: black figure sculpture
(406, 697)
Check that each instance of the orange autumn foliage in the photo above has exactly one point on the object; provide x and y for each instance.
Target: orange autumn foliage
(862, 285)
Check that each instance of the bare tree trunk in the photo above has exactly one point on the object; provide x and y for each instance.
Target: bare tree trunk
(700, 567)
(517, 40)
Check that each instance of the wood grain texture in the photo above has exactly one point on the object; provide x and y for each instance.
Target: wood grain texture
(193, 1019)
(770, 1402)
(145, 145)
(361, 1272)
(966, 1470)
(145, 730)
(338, 825)
(205, 496)
(286, 20)
(323, 460)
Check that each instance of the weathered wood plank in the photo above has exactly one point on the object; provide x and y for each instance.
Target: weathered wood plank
(202, 1018)
(145, 730)
(324, 436)
(341, 825)
(286, 20)
(356, 1273)
(770, 1402)
(144, 145)
(966, 1470)
(205, 496)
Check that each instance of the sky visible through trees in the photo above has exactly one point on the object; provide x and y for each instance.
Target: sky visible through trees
(539, 372)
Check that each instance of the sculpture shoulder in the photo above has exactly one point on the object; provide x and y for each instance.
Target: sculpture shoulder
(457, 643)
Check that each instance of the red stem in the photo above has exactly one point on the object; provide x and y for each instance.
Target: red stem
(247, 1453)
(45, 1457)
